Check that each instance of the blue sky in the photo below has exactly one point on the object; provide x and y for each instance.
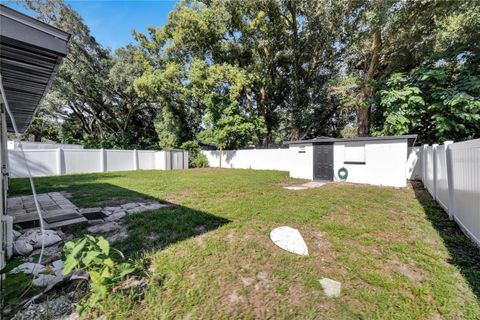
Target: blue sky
(111, 21)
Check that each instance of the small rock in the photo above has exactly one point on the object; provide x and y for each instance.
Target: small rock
(152, 236)
(50, 254)
(57, 266)
(28, 268)
(118, 236)
(16, 234)
(112, 209)
(53, 308)
(95, 222)
(44, 280)
(104, 228)
(201, 229)
(116, 216)
(331, 288)
(136, 210)
(80, 275)
(155, 206)
(64, 236)
(22, 247)
(130, 205)
(34, 237)
(90, 210)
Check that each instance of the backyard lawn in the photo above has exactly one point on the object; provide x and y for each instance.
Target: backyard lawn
(209, 255)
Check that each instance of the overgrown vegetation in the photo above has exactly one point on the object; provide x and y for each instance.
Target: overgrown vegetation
(94, 255)
(395, 251)
(196, 159)
(232, 73)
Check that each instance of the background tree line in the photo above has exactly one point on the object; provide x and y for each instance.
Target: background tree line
(234, 73)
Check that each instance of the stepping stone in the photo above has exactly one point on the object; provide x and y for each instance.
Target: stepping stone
(116, 216)
(331, 288)
(104, 228)
(130, 205)
(289, 239)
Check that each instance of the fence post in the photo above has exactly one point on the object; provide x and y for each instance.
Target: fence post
(434, 161)
(135, 159)
(424, 163)
(451, 188)
(102, 160)
(185, 159)
(60, 160)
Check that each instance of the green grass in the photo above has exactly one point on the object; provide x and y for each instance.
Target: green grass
(394, 250)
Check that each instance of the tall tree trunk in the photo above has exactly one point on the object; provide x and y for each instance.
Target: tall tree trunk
(363, 108)
(263, 112)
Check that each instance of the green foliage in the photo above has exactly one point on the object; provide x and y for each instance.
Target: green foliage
(15, 285)
(93, 89)
(437, 102)
(196, 159)
(237, 72)
(94, 255)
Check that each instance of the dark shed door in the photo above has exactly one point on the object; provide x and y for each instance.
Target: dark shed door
(323, 161)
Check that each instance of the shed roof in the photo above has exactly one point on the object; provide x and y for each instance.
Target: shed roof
(30, 54)
(410, 137)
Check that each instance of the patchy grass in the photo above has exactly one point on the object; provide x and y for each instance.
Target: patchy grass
(209, 256)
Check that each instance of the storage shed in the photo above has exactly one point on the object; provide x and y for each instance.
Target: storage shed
(369, 160)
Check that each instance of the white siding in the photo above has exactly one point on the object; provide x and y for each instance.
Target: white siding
(385, 163)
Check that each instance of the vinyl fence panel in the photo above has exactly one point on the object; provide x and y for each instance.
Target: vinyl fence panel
(68, 161)
(429, 168)
(441, 183)
(119, 160)
(82, 160)
(466, 186)
(146, 159)
(41, 163)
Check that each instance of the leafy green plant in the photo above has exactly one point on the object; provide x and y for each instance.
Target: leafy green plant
(196, 159)
(94, 255)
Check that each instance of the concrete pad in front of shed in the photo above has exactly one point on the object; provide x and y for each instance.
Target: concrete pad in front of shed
(304, 186)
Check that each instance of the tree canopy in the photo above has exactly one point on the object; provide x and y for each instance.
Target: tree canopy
(232, 73)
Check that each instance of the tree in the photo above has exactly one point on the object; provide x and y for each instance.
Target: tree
(278, 55)
(388, 37)
(95, 88)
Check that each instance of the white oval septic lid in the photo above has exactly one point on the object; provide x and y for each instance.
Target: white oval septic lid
(289, 239)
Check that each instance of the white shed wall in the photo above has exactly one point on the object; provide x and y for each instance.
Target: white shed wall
(385, 163)
(301, 165)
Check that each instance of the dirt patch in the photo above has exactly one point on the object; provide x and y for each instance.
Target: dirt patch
(411, 272)
(177, 197)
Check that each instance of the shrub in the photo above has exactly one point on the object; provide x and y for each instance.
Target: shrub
(196, 159)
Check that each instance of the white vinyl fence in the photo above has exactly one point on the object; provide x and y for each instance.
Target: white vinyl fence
(259, 159)
(451, 174)
(50, 162)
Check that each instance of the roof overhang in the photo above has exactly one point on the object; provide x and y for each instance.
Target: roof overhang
(409, 138)
(30, 54)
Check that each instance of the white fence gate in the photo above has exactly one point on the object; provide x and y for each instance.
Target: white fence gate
(451, 174)
(50, 162)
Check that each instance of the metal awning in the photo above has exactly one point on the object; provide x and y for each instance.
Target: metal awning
(30, 54)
